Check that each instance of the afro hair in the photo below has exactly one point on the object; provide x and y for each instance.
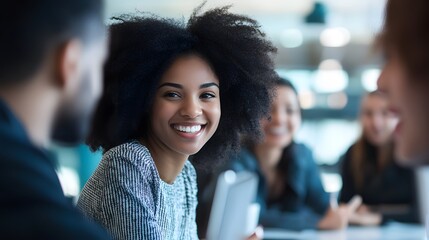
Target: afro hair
(143, 47)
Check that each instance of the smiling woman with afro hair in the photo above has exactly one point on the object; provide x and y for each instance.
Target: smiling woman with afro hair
(172, 92)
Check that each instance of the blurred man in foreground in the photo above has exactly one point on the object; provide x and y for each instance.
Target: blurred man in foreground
(51, 57)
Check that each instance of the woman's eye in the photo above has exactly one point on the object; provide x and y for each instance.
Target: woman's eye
(207, 95)
(290, 110)
(171, 95)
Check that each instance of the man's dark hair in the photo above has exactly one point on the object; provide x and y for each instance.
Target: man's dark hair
(141, 50)
(31, 29)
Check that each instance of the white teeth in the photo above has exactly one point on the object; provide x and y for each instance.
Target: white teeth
(277, 131)
(188, 129)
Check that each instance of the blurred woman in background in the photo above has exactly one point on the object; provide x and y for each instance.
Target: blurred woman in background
(290, 191)
(369, 170)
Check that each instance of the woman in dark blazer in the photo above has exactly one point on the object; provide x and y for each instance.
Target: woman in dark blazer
(290, 191)
(369, 169)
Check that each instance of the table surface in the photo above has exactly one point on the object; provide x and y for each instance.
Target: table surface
(392, 231)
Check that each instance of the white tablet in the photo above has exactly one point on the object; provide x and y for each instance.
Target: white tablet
(233, 196)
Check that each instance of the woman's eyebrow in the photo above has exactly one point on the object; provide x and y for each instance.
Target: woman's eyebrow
(206, 85)
(175, 85)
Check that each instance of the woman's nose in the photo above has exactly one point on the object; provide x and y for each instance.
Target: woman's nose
(191, 108)
(277, 117)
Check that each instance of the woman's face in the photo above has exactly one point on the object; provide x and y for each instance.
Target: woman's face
(408, 99)
(377, 122)
(285, 118)
(186, 109)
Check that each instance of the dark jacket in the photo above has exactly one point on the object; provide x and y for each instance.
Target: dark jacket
(303, 201)
(32, 203)
(394, 185)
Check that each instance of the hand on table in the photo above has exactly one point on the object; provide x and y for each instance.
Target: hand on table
(338, 217)
(364, 217)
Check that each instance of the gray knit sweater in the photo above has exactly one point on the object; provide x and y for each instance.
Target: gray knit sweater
(126, 195)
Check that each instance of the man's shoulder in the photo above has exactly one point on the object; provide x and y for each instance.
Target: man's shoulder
(32, 203)
(17, 148)
(21, 163)
(47, 221)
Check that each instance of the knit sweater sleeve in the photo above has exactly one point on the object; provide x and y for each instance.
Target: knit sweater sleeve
(123, 195)
(129, 203)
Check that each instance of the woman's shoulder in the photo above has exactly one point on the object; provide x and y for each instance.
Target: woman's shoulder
(130, 166)
(124, 175)
(302, 153)
(189, 170)
(131, 157)
(133, 152)
(302, 148)
(128, 148)
(301, 157)
(346, 157)
(244, 160)
(189, 177)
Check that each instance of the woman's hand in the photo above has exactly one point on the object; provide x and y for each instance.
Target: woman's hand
(338, 217)
(363, 216)
(335, 218)
(257, 235)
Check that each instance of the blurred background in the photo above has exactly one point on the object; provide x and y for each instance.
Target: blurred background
(324, 47)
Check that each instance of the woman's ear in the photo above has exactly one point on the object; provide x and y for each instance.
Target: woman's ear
(67, 69)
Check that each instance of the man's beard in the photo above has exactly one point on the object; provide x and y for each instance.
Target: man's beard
(70, 127)
(73, 119)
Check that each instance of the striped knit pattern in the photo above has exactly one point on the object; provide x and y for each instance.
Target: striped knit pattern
(126, 195)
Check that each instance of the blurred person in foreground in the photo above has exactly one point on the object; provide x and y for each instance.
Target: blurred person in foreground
(370, 171)
(52, 54)
(405, 76)
(290, 191)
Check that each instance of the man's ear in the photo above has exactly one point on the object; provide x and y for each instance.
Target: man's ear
(67, 63)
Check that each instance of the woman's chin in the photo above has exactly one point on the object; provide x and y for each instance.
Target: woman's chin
(278, 143)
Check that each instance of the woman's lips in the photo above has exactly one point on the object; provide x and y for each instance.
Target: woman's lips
(189, 131)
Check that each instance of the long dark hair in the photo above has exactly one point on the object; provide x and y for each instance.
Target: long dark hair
(363, 153)
(288, 151)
